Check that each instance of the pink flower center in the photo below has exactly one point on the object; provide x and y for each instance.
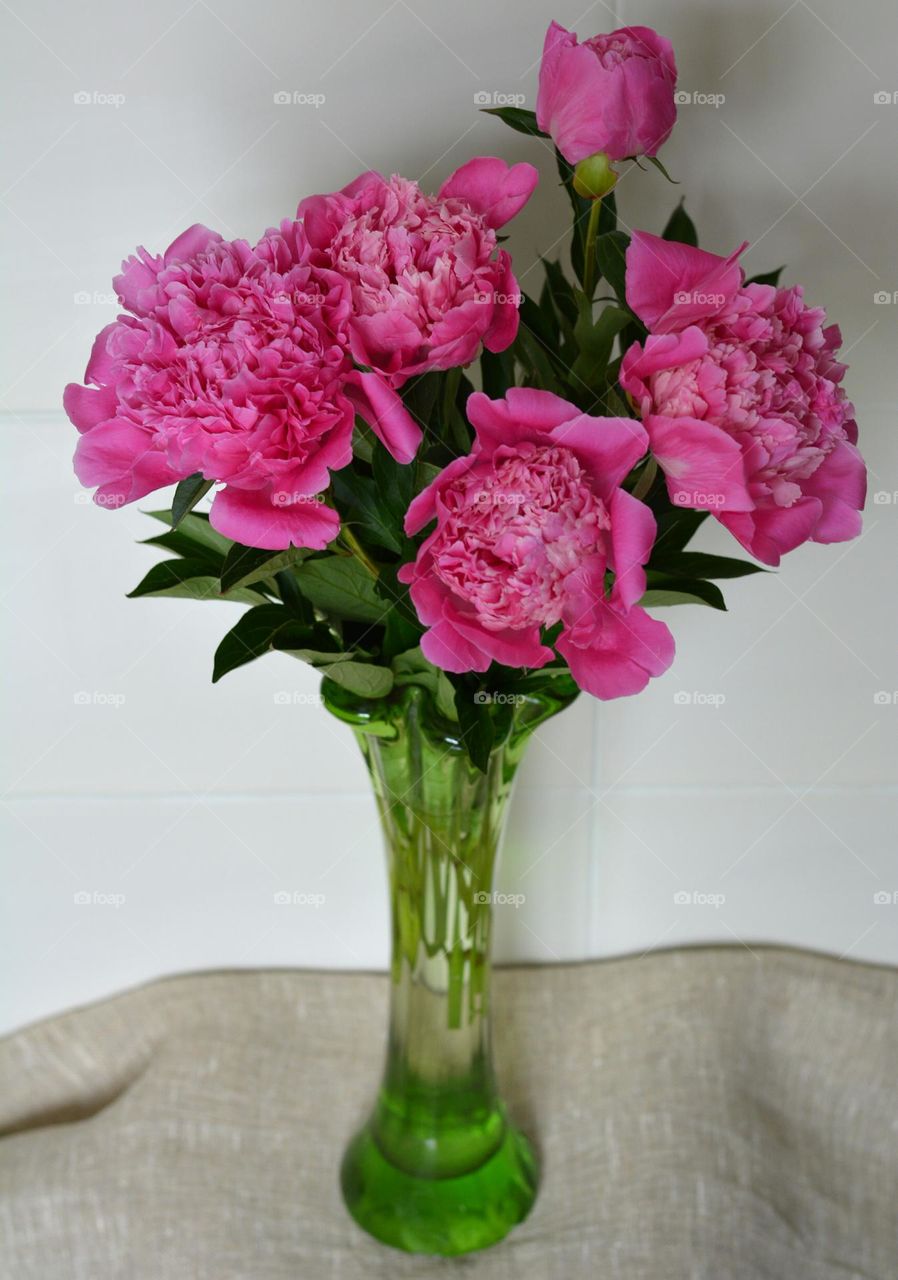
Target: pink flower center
(509, 538)
(413, 254)
(769, 379)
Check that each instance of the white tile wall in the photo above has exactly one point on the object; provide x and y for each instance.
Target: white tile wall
(188, 806)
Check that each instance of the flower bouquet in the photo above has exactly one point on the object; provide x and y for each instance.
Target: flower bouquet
(463, 505)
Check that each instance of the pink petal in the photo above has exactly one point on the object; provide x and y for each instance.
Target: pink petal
(609, 447)
(620, 655)
(704, 466)
(493, 189)
(383, 410)
(633, 530)
(770, 532)
(87, 406)
(671, 285)
(248, 517)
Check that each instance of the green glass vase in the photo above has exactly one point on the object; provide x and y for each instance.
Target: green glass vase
(439, 1168)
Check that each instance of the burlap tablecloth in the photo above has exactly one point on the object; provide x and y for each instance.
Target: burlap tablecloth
(702, 1115)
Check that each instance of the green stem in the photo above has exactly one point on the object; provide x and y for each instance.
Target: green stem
(646, 480)
(355, 548)
(589, 253)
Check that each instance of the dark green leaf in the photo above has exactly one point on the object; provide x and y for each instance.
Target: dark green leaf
(341, 587)
(698, 564)
(611, 251)
(676, 525)
(187, 495)
(497, 373)
(680, 227)
(476, 722)
(767, 277)
(518, 119)
(245, 565)
(561, 291)
(188, 579)
(362, 678)
(358, 501)
(196, 526)
(249, 639)
(181, 545)
(661, 169)
(595, 340)
(666, 589)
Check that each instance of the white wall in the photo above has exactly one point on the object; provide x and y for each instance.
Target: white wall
(198, 804)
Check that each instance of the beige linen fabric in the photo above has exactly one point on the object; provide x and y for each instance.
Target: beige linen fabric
(702, 1115)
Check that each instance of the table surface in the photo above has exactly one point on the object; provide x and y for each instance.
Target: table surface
(707, 1114)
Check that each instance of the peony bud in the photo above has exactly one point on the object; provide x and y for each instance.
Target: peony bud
(594, 177)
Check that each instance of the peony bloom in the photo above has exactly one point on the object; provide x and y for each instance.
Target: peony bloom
(526, 528)
(739, 390)
(613, 93)
(427, 282)
(228, 365)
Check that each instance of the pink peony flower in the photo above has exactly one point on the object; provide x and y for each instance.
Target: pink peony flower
(228, 365)
(427, 282)
(739, 390)
(526, 528)
(613, 93)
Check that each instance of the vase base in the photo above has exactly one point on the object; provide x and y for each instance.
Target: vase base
(444, 1216)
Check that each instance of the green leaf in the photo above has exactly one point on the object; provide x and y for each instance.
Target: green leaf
(680, 227)
(197, 528)
(767, 277)
(180, 545)
(187, 495)
(244, 565)
(665, 589)
(497, 373)
(358, 500)
(341, 587)
(676, 526)
(249, 639)
(661, 169)
(595, 340)
(412, 667)
(518, 119)
(535, 360)
(611, 249)
(188, 580)
(362, 678)
(478, 732)
(698, 564)
(561, 291)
